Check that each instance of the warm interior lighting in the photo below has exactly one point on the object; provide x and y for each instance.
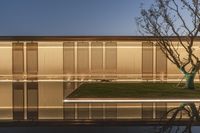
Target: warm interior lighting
(127, 101)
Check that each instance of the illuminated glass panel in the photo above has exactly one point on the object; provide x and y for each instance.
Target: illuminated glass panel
(69, 108)
(83, 111)
(147, 110)
(32, 100)
(83, 58)
(126, 54)
(111, 111)
(50, 58)
(171, 106)
(69, 111)
(69, 87)
(147, 60)
(68, 57)
(161, 64)
(97, 111)
(97, 57)
(50, 100)
(111, 58)
(6, 59)
(32, 58)
(128, 110)
(6, 100)
(18, 58)
(161, 110)
(18, 100)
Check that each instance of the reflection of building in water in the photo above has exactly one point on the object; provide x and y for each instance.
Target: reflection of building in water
(76, 59)
(44, 101)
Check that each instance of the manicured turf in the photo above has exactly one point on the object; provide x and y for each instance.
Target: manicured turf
(134, 90)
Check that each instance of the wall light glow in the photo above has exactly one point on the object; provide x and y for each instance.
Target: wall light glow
(128, 101)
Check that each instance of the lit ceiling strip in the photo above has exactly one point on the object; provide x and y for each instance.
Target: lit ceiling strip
(128, 101)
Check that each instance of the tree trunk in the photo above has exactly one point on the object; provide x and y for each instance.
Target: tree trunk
(190, 81)
(194, 111)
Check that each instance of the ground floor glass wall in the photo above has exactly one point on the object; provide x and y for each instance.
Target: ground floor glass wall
(86, 60)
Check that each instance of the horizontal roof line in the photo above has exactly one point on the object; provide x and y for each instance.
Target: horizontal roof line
(86, 38)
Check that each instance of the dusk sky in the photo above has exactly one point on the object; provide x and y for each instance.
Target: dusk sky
(69, 17)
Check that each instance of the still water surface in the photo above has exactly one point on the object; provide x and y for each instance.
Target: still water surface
(91, 129)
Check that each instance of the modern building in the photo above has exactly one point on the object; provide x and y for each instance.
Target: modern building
(37, 73)
(86, 58)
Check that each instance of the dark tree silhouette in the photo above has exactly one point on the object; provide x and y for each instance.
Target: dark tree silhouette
(176, 114)
(180, 19)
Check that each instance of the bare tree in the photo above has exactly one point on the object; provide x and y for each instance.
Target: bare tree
(166, 19)
(176, 114)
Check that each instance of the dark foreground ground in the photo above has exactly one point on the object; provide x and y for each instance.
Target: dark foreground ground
(91, 129)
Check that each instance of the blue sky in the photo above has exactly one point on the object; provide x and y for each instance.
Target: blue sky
(69, 17)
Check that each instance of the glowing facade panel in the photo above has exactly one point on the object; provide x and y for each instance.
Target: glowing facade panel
(18, 58)
(68, 58)
(32, 58)
(97, 57)
(83, 58)
(147, 60)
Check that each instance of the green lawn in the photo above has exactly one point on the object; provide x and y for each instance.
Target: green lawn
(134, 90)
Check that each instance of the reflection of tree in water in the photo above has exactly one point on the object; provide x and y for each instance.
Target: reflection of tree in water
(176, 115)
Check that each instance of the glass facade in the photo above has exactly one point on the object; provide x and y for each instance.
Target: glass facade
(36, 76)
(83, 58)
(147, 60)
(97, 60)
(18, 58)
(87, 60)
